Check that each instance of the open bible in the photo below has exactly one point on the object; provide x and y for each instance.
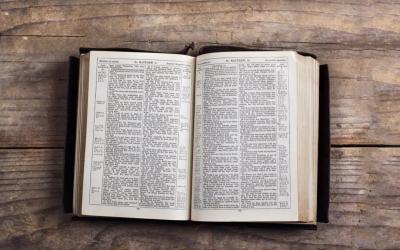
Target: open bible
(224, 136)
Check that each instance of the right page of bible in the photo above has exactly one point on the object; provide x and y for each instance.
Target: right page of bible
(244, 157)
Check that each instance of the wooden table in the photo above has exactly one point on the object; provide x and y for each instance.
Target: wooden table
(360, 40)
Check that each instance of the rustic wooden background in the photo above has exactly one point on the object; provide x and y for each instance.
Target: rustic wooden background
(360, 40)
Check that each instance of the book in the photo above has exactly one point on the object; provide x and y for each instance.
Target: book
(228, 136)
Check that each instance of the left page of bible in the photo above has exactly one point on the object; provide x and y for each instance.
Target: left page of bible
(137, 154)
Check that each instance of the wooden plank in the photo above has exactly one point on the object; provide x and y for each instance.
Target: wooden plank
(365, 198)
(365, 97)
(38, 36)
(31, 190)
(28, 28)
(365, 187)
(32, 104)
(248, 22)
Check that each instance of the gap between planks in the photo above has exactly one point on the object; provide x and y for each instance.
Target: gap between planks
(332, 146)
(365, 145)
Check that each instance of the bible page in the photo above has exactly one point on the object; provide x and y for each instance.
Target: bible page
(137, 154)
(244, 157)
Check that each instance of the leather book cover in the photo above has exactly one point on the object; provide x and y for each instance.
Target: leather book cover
(323, 139)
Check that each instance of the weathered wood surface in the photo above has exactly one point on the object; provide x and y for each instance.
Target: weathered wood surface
(365, 210)
(365, 99)
(360, 40)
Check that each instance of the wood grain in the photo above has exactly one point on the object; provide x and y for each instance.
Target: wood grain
(37, 37)
(360, 40)
(32, 104)
(248, 22)
(365, 99)
(364, 213)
